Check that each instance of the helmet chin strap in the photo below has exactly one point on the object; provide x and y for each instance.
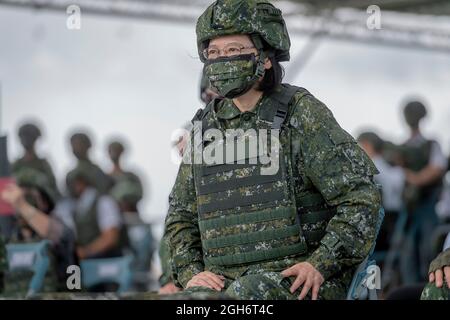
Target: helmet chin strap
(260, 69)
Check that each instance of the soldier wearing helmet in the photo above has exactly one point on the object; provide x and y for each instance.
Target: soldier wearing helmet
(28, 134)
(425, 166)
(81, 145)
(233, 227)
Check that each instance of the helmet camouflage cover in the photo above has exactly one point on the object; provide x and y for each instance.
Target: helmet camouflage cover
(252, 17)
(128, 191)
(32, 178)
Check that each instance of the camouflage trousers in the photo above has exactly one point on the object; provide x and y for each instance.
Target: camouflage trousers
(431, 292)
(266, 286)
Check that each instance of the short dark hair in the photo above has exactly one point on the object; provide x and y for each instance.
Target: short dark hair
(83, 138)
(273, 76)
(373, 139)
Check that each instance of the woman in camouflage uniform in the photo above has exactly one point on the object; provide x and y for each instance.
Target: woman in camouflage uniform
(236, 228)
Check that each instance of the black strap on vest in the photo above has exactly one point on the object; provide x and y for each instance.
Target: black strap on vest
(284, 97)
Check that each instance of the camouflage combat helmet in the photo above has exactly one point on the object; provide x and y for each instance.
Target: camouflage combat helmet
(83, 171)
(32, 178)
(257, 18)
(128, 191)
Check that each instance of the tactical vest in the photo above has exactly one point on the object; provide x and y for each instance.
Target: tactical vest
(417, 158)
(88, 230)
(86, 225)
(246, 217)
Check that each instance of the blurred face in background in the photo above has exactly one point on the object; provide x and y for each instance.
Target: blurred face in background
(28, 141)
(77, 187)
(368, 148)
(115, 152)
(79, 149)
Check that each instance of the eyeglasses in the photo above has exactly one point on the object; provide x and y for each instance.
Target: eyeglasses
(230, 50)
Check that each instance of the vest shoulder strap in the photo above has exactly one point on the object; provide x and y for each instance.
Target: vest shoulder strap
(284, 97)
(201, 113)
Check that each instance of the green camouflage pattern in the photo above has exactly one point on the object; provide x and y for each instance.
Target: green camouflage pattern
(325, 160)
(431, 292)
(128, 190)
(39, 164)
(29, 177)
(166, 262)
(232, 76)
(441, 261)
(268, 286)
(227, 17)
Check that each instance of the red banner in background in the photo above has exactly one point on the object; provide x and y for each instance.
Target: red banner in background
(5, 209)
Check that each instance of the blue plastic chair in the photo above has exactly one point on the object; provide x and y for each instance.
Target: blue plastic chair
(107, 270)
(32, 257)
(141, 242)
(359, 289)
(142, 246)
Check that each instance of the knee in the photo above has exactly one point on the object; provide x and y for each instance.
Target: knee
(254, 287)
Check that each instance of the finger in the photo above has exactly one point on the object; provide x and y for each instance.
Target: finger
(289, 272)
(194, 282)
(305, 290)
(298, 282)
(431, 277)
(439, 278)
(447, 275)
(214, 280)
(202, 282)
(315, 291)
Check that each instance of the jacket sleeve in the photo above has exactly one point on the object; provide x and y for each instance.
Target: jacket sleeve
(182, 229)
(342, 172)
(441, 261)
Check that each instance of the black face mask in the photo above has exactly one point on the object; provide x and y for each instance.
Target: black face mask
(234, 76)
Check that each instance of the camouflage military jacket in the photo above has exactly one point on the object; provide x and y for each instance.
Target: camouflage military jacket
(441, 261)
(327, 160)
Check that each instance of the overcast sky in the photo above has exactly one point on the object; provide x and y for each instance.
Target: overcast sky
(139, 80)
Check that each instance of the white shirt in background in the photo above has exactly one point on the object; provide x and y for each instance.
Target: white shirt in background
(392, 180)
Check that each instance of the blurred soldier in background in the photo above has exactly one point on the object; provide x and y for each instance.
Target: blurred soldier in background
(94, 217)
(207, 92)
(392, 180)
(425, 165)
(29, 133)
(116, 150)
(34, 200)
(81, 145)
(128, 193)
